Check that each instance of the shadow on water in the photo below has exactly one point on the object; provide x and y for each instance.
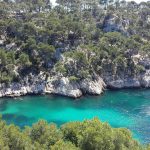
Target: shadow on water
(3, 105)
(23, 121)
(19, 120)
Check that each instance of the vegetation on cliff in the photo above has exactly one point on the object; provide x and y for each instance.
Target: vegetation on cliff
(86, 135)
(76, 39)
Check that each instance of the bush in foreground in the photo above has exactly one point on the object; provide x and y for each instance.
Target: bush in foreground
(86, 135)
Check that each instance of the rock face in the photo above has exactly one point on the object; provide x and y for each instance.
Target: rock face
(145, 82)
(68, 88)
(93, 87)
(64, 87)
(124, 83)
(60, 86)
(132, 82)
(40, 84)
(112, 22)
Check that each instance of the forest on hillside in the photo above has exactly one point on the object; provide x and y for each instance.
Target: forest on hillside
(76, 38)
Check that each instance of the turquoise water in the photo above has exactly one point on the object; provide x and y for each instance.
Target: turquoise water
(124, 108)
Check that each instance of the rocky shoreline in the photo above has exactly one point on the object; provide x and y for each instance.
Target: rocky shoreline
(59, 86)
(140, 81)
(75, 89)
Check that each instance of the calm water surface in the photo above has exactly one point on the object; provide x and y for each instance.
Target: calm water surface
(124, 108)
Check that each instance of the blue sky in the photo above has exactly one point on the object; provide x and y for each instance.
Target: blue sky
(138, 1)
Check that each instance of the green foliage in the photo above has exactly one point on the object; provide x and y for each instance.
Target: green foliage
(24, 60)
(30, 44)
(46, 49)
(146, 49)
(93, 134)
(44, 134)
(139, 69)
(7, 62)
(78, 29)
(73, 78)
(62, 145)
(59, 67)
(86, 135)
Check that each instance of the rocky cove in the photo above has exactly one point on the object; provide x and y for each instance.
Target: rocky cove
(63, 86)
(58, 86)
(95, 84)
(64, 55)
(115, 55)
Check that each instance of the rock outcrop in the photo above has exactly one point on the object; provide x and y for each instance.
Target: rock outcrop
(124, 83)
(112, 23)
(57, 85)
(141, 81)
(93, 87)
(40, 84)
(66, 88)
(63, 86)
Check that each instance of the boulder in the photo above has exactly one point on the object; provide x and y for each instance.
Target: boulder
(116, 84)
(145, 82)
(66, 88)
(92, 87)
(132, 83)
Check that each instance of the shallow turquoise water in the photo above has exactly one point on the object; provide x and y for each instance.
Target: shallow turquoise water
(124, 108)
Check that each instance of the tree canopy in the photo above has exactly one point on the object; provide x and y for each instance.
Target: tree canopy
(86, 135)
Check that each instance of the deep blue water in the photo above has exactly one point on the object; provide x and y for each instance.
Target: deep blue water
(123, 108)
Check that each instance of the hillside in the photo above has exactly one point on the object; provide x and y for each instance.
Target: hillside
(75, 48)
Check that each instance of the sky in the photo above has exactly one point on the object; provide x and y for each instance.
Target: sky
(138, 1)
(53, 1)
